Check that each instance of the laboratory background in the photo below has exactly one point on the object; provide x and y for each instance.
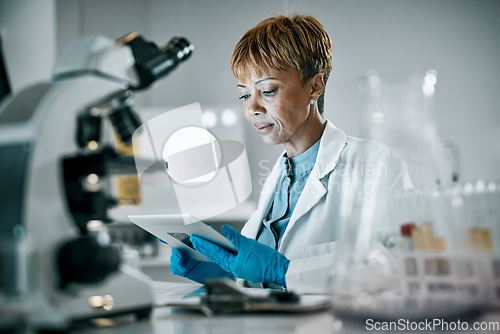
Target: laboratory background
(453, 43)
(458, 39)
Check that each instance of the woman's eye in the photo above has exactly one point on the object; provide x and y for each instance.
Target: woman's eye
(269, 92)
(244, 97)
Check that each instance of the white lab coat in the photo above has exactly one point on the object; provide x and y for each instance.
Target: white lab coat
(310, 239)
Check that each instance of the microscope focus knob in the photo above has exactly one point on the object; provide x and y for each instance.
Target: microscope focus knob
(84, 260)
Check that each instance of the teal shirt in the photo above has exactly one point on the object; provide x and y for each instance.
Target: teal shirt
(295, 172)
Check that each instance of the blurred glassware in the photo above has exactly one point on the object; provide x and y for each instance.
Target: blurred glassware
(397, 110)
(447, 267)
(431, 252)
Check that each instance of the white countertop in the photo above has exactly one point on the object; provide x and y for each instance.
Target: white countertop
(170, 320)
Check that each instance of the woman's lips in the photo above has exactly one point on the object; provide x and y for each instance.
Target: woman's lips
(263, 128)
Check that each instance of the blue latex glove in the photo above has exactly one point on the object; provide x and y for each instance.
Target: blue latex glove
(255, 262)
(198, 271)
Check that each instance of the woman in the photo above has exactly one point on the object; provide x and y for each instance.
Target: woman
(282, 66)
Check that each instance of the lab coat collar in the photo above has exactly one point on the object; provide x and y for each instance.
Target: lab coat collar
(332, 144)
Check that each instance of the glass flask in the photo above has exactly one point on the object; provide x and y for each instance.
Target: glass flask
(397, 110)
(422, 252)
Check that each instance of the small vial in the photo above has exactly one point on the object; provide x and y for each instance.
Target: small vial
(406, 232)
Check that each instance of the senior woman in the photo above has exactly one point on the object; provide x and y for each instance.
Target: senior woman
(282, 66)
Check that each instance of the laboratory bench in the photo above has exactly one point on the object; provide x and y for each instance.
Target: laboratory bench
(175, 320)
(180, 321)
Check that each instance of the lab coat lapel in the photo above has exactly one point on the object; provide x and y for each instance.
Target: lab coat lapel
(253, 225)
(312, 193)
(332, 144)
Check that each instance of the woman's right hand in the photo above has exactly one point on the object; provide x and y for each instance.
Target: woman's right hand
(198, 271)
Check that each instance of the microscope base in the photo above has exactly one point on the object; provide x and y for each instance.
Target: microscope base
(127, 292)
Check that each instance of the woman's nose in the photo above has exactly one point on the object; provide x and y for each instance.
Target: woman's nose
(255, 107)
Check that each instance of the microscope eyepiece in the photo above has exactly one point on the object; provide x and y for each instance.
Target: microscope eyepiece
(178, 47)
(152, 62)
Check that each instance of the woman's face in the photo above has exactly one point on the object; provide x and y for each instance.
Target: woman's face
(276, 103)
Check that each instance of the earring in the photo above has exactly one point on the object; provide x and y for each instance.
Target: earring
(312, 101)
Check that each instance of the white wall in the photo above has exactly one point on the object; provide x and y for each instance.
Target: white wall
(28, 29)
(458, 38)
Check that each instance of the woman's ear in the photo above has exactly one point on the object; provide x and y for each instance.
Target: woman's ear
(317, 85)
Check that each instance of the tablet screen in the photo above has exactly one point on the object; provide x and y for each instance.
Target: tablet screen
(176, 230)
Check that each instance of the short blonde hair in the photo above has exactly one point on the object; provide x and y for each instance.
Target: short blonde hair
(284, 43)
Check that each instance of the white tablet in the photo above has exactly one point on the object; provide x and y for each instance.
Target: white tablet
(176, 230)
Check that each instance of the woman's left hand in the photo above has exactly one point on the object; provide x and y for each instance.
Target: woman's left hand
(254, 262)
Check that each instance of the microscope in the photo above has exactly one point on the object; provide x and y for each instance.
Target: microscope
(55, 167)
